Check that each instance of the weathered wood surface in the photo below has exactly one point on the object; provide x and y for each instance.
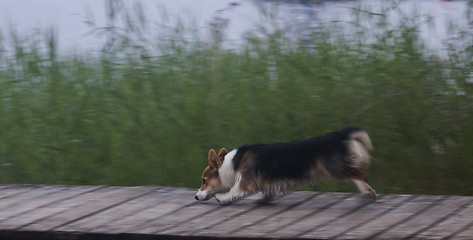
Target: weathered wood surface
(104, 212)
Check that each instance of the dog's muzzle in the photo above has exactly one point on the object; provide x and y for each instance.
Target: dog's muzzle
(201, 195)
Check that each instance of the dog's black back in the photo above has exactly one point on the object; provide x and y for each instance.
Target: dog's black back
(297, 160)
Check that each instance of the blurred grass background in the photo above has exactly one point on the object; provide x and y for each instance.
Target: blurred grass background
(146, 112)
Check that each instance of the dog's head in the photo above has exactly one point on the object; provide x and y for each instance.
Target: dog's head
(211, 183)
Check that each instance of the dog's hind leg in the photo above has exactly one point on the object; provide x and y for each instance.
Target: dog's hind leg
(365, 189)
(267, 197)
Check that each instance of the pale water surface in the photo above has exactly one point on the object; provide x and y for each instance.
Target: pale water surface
(236, 17)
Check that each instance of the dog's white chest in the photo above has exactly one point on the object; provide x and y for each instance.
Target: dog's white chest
(226, 172)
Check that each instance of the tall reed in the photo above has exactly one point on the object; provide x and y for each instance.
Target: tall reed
(146, 112)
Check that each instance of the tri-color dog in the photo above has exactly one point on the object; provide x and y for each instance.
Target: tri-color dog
(280, 167)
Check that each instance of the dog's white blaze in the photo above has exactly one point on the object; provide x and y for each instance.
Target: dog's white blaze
(226, 172)
(202, 195)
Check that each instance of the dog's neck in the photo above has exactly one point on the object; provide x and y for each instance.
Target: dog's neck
(227, 174)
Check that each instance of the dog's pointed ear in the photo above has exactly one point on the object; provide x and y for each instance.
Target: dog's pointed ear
(222, 153)
(214, 160)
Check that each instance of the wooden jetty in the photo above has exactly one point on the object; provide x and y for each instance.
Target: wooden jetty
(107, 212)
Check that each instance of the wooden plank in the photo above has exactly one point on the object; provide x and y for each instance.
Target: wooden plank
(392, 218)
(254, 214)
(13, 190)
(13, 205)
(128, 224)
(221, 214)
(427, 218)
(28, 212)
(24, 193)
(78, 208)
(299, 213)
(170, 220)
(75, 212)
(350, 211)
(269, 211)
(320, 217)
(466, 234)
(368, 212)
(449, 226)
(272, 216)
(188, 211)
(53, 209)
(233, 211)
(287, 218)
(96, 222)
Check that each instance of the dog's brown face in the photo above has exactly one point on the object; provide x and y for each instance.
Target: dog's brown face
(211, 183)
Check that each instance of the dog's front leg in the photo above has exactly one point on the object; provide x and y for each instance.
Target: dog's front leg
(234, 194)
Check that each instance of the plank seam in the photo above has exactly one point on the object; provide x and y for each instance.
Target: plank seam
(209, 226)
(40, 235)
(14, 194)
(4, 187)
(166, 214)
(112, 220)
(396, 206)
(162, 216)
(464, 228)
(458, 210)
(144, 208)
(46, 204)
(316, 211)
(276, 213)
(426, 208)
(103, 209)
(187, 220)
(203, 214)
(355, 209)
(45, 217)
(34, 197)
(34, 187)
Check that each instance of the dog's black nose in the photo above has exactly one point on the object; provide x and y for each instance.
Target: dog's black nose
(196, 198)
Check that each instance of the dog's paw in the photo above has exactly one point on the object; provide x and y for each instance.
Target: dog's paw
(370, 194)
(265, 199)
(223, 199)
(218, 198)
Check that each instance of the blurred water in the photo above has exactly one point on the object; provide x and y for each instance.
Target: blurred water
(226, 19)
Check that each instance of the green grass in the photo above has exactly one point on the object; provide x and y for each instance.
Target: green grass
(146, 113)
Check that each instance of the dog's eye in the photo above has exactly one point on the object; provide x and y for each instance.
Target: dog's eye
(204, 181)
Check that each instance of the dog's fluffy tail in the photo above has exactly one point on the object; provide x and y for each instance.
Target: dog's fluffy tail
(362, 137)
(359, 146)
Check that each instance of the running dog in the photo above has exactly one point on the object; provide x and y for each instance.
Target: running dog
(278, 168)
